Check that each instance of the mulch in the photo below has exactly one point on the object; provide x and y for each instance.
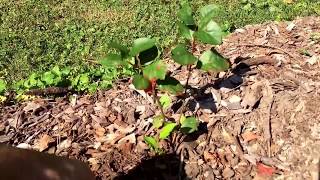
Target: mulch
(260, 120)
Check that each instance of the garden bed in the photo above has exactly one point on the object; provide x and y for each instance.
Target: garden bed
(260, 120)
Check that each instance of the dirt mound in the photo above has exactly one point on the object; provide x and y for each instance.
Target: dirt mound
(260, 120)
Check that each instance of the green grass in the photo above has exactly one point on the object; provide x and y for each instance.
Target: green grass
(36, 35)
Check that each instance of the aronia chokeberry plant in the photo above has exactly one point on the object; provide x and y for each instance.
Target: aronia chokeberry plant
(150, 72)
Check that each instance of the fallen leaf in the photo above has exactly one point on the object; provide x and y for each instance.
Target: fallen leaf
(31, 106)
(249, 136)
(265, 170)
(42, 143)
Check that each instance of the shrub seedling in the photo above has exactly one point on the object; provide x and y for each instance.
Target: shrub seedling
(150, 73)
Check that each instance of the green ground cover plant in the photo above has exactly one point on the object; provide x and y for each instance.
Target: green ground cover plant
(37, 35)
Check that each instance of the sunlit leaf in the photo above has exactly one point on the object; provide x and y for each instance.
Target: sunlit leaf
(212, 61)
(189, 125)
(112, 60)
(207, 13)
(185, 14)
(56, 70)
(48, 78)
(65, 71)
(181, 55)
(210, 34)
(141, 44)
(158, 121)
(165, 101)
(140, 82)
(154, 71)
(2, 85)
(170, 85)
(185, 31)
(152, 142)
(166, 130)
(84, 79)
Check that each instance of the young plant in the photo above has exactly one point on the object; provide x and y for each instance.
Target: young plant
(150, 73)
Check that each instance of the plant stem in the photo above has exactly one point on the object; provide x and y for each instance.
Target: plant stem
(189, 67)
(139, 63)
(156, 98)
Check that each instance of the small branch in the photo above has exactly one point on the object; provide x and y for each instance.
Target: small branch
(188, 77)
(156, 98)
(139, 63)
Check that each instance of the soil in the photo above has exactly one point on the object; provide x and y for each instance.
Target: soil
(260, 120)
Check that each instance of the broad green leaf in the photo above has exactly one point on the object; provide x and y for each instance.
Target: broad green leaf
(48, 78)
(84, 79)
(212, 61)
(112, 60)
(207, 13)
(165, 101)
(154, 71)
(65, 71)
(141, 44)
(147, 56)
(170, 85)
(210, 34)
(152, 142)
(32, 81)
(158, 121)
(56, 70)
(185, 31)
(166, 130)
(181, 55)
(189, 125)
(182, 119)
(185, 14)
(140, 82)
(123, 50)
(2, 85)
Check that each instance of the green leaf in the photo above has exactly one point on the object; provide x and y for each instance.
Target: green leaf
(152, 142)
(154, 71)
(165, 101)
(170, 85)
(207, 13)
(84, 79)
(2, 85)
(123, 50)
(166, 130)
(212, 61)
(185, 14)
(112, 60)
(48, 78)
(140, 82)
(181, 55)
(158, 121)
(185, 31)
(56, 70)
(189, 125)
(210, 34)
(141, 44)
(65, 71)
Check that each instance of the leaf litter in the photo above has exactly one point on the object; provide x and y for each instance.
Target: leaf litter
(260, 120)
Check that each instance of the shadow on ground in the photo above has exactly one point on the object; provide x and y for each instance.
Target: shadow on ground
(164, 167)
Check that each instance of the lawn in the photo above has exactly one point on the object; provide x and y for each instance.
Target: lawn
(36, 35)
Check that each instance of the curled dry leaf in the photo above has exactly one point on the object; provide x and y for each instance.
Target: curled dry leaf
(249, 136)
(265, 170)
(42, 143)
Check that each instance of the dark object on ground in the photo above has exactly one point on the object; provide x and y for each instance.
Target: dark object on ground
(22, 164)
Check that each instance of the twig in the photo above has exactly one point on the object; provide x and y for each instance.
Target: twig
(156, 98)
(271, 47)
